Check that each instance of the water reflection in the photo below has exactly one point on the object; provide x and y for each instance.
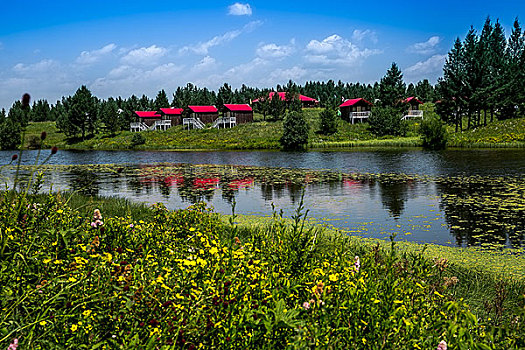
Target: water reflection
(460, 210)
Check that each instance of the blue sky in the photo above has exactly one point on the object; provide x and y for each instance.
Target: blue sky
(50, 48)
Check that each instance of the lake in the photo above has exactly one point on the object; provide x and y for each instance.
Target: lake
(453, 197)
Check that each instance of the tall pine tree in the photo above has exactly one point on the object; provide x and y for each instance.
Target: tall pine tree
(392, 88)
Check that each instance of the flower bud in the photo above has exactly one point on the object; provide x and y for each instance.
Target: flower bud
(14, 157)
(43, 135)
(54, 150)
(25, 100)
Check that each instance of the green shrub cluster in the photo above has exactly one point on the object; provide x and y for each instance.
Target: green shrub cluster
(295, 132)
(327, 122)
(184, 279)
(433, 132)
(387, 121)
(137, 139)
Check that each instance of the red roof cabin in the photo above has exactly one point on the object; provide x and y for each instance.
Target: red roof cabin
(242, 113)
(355, 109)
(306, 102)
(413, 108)
(206, 114)
(174, 115)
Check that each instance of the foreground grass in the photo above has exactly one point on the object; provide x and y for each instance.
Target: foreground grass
(186, 279)
(482, 272)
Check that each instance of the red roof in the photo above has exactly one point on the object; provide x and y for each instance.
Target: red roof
(282, 96)
(147, 114)
(172, 111)
(353, 101)
(412, 99)
(238, 108)
(203, 109)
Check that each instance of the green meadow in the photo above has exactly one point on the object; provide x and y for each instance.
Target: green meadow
(265, 134)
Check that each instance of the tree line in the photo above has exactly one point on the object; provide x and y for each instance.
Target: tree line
(483, 77)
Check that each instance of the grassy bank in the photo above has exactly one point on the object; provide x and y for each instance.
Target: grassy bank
(187, 279)
(500, 134)
(263, 134)
(260, 134)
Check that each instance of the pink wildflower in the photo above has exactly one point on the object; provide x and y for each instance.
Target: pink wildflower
(306, 305)
(13, 345)
(357, 263)
(442, 345)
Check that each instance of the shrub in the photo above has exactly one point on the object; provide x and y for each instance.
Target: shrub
(137, 139)
(295, 132)
(387, 121)
(10, 134)
(433, 132)
(328, 122)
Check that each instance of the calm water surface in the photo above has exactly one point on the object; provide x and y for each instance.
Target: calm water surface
(413, 210)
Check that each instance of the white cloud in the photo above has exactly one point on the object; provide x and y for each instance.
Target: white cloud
(126, 80)
(90, 57)
(425, 48)
(337, 50)
(239, 9)
(144, 55)
(360, 35)
(428, 69)
(275, 51)
(205, 64)
(284, 74)
(202, 48)
(40, 67)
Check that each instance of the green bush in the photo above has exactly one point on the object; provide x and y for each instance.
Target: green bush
(137, 139)
(433, 132)
(328, 122)
(387, 121)
(10, 134)
(295, 131)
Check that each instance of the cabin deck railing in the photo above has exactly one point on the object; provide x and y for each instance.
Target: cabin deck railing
(359, 115)
(412, 114)
(194, 122)
(225, 122)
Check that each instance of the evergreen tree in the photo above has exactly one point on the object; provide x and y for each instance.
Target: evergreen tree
(513, 94)
(452, 87)
(161, 101)
(80, 115)
(472, 77)
(277, 106)
(224, 96)
(392, 88)
(146, 104)
(425, 91)
(109, 115)
(19, 114)
(40, 111)
(411, 90)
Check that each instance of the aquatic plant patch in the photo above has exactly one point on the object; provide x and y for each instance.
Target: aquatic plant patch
(485, 211)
